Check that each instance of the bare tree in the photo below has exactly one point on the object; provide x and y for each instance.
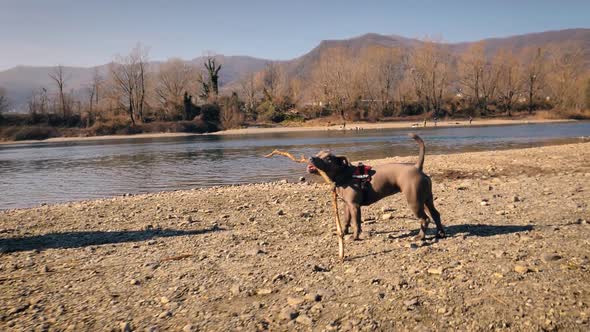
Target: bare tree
(478, 76)
(509, 83)
(129, 76)
(272, 81)
(174, 78)
(249, 90)
(566, 77)
(335, 80)
(381, 71)
(92, 91)
(231, 115)
(58, 76)
(430, 72)
(533, 73)
(210, 82)
(3, 100)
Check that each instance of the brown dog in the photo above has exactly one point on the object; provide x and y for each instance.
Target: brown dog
(361, 186)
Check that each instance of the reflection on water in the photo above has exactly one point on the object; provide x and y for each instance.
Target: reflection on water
(57, 172)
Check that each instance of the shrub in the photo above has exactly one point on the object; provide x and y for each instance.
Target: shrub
(30, 133)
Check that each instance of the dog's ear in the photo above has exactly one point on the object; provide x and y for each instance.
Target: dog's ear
(342, 160)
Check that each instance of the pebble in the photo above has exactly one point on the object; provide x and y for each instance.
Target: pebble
(550, 257)
(288, 314)
(435, 270)
(188, 328)
(412, 302)
(281, 213)
(387, 216)
(304, 320)
(313, 297)
(484, 203)
(295, 301)
(521, 269)
(235, 289)
(165, 314)
(264, 291)
(134, 282)
(125, 327)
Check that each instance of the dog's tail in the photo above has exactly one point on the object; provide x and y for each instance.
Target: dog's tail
(420, 161)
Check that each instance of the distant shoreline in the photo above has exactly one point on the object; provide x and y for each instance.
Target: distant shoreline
(272, 130)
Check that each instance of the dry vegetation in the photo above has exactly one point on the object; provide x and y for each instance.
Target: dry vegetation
(370, 84)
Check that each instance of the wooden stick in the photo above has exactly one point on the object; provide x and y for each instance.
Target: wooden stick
(338, 226)
(303, 160)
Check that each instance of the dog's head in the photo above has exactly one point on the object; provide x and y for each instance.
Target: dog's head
(327, 162)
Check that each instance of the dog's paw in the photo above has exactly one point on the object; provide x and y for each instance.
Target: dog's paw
(420, 237)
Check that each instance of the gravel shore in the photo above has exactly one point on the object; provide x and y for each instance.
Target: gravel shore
(264, 256)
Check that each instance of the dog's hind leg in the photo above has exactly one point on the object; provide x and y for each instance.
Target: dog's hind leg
(440, 231)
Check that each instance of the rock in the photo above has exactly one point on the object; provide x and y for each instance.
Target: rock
(412, 302)
(284, 181)
(386, 216)
(165, 314)
(304, 320)
(500, 213)
(387, 209)
(435, 270)
(521, 269)
(295, 301)
(235, 289)
(188, 219)
(313, 297)
(188, 328)
(264, 291)
(498, 253)
(251, 219)
(550, 257)
(281, 213)
(516, 199)
(134, 282)
(288, 314)
(164, 300)
(463, 186)
(301, 179)
(484, 203)
(125, 327)
(319, 268)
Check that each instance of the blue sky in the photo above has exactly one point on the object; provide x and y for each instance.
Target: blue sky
(85, 32)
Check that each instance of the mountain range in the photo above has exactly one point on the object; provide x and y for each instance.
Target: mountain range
(20, 81)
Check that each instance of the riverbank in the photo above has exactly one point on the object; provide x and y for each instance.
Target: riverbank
(349, 126)
(263, 256)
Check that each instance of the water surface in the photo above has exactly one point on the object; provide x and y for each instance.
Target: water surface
(31, 174)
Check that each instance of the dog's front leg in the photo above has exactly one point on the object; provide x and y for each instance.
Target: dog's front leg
(355, 216)
(346, 220)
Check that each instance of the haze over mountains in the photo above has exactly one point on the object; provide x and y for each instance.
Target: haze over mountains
(20, 81)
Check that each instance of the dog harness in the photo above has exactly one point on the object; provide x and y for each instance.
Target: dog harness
(362, 174)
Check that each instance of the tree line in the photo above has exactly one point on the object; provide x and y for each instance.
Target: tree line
(373, 83)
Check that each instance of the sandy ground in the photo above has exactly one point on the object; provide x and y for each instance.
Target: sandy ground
(349, 126)
(263, 256)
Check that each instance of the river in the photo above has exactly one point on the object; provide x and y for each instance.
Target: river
(36, 173)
